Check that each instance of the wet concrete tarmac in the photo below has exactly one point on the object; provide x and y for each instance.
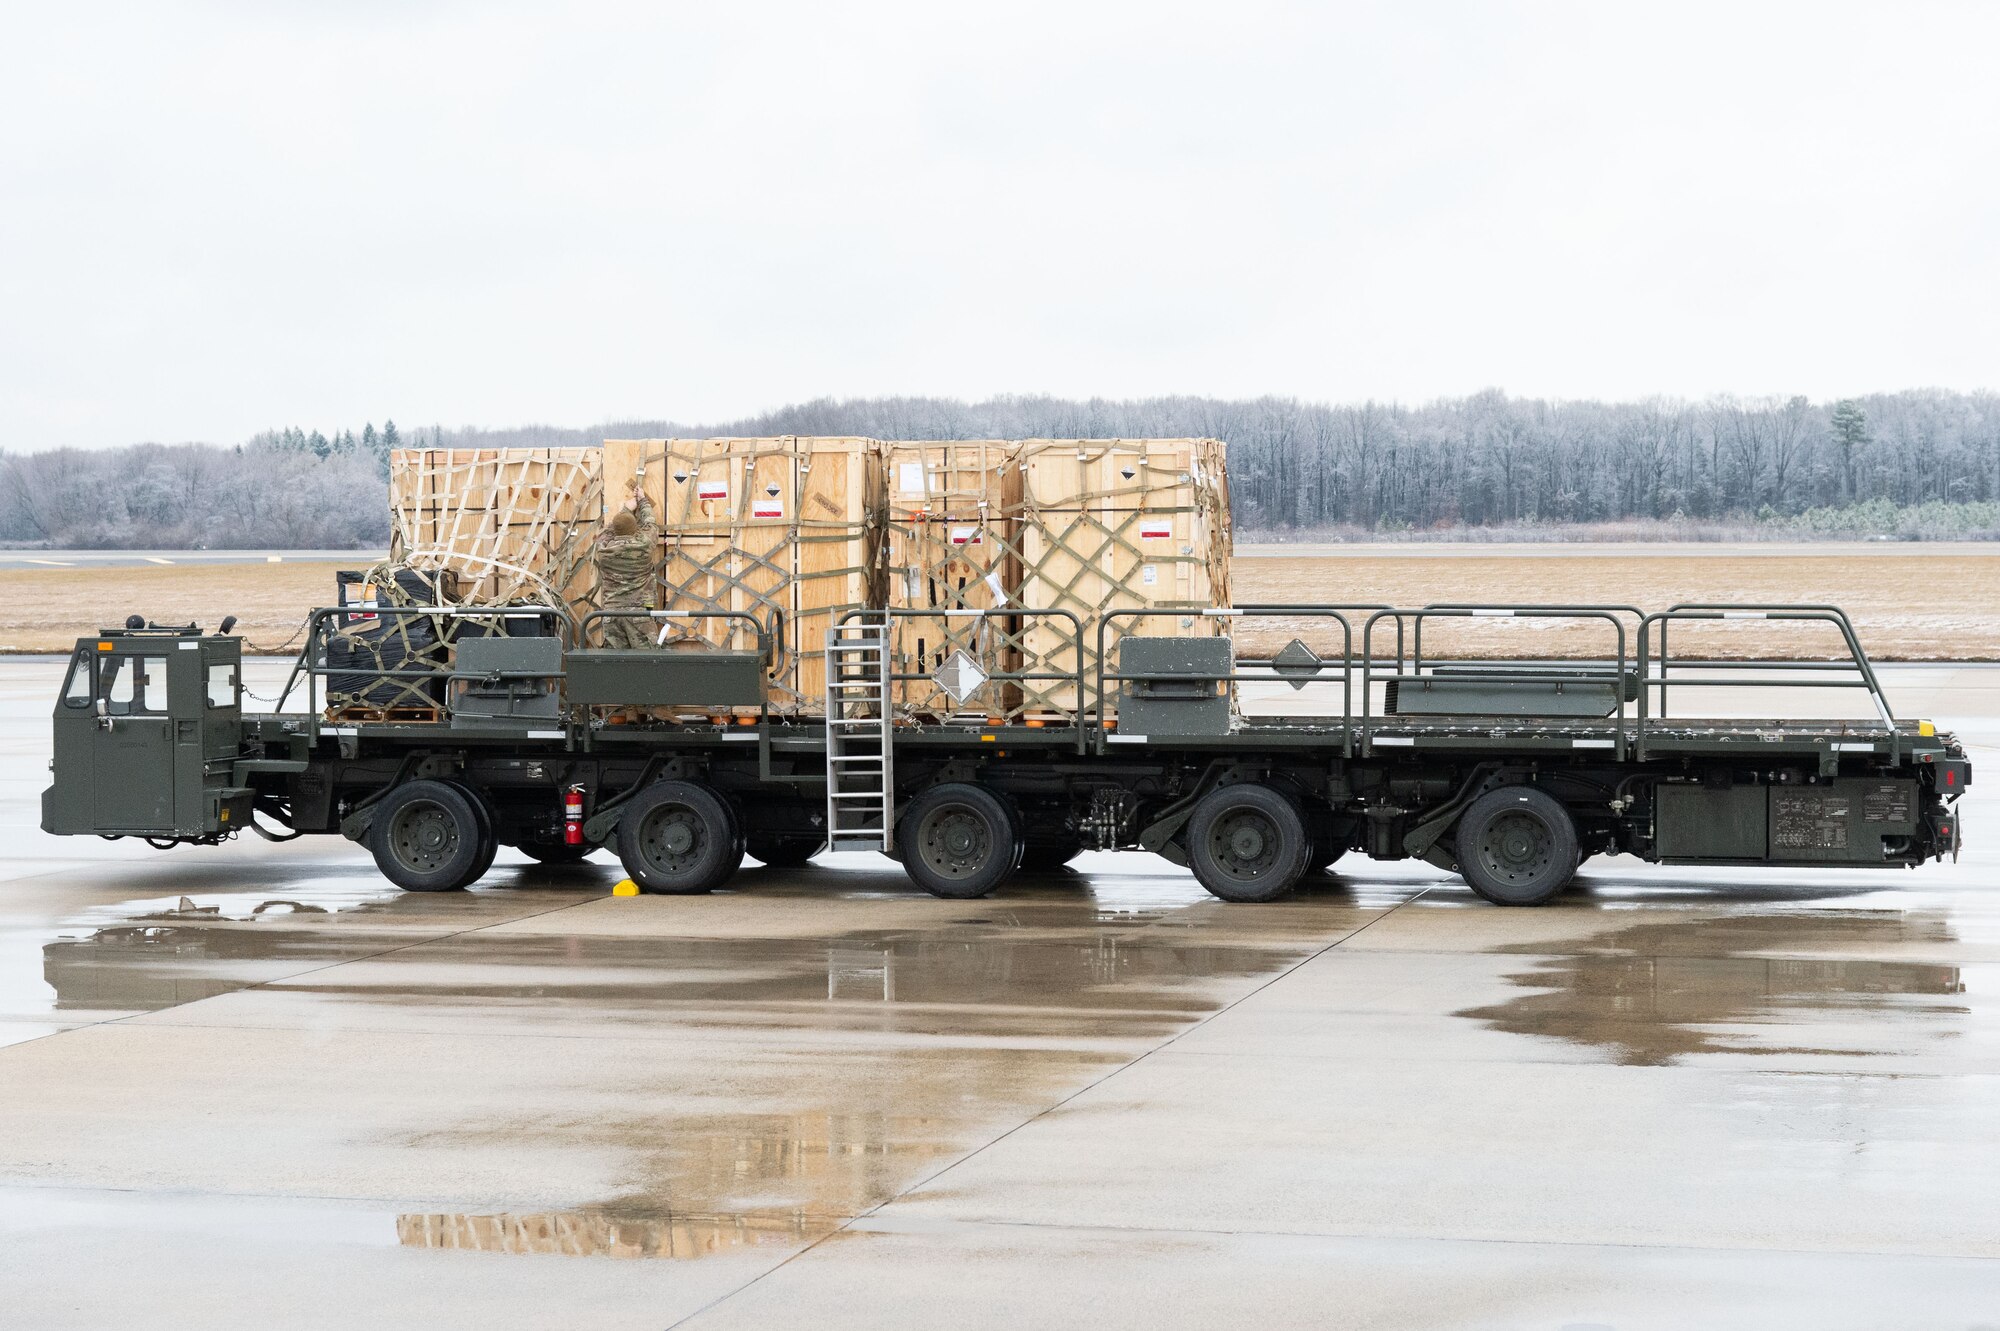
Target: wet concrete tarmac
(255, 1086)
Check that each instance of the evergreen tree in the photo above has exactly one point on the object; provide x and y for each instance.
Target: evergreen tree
(1850, 435)
(368, 437)
(390, 439)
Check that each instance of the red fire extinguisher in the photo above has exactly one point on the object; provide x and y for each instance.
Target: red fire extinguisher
(573, 816)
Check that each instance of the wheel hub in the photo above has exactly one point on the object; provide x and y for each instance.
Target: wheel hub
(424, 837)
(1517, 846)
(954, 842)
(672, 839)
(1245, 843)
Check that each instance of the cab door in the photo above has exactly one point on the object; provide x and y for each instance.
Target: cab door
(132, 769)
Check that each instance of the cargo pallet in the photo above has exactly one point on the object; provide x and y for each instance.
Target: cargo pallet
(1510, 772)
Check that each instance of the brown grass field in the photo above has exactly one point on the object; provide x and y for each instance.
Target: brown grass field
(1909, 602)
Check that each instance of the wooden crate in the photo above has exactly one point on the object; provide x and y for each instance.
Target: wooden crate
(1117, 524)
(783, 527)
(948, 543)
(514, 524)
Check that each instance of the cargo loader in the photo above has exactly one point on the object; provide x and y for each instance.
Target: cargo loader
(527, 733)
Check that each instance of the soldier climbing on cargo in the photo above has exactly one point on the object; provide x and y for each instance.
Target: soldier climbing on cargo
(625, 553)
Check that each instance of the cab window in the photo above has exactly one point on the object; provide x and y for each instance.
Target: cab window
(135, 685)
(79, 688)
(222, 684)
(153, 685)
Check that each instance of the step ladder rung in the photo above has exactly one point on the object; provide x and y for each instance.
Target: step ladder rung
(860, 754)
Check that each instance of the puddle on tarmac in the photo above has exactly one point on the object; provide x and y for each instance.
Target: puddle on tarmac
(1660, 992)
(772, 1089)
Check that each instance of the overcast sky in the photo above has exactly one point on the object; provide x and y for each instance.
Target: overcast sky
(219, 218)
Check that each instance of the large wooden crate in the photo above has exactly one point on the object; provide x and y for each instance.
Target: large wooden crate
(785, 529)
(513, 524)
(1117, 524)
(948, 544)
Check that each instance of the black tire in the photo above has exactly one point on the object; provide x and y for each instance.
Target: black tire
(428, 836)
(1327, 847)
(1247, 843)
(959, 840)
(679, 838)
(1048, 856)
(489, 842)
(777, 852)
(1516, 846)
(555, 852)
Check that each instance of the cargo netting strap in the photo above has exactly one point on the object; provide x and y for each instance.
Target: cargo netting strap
(387, 667)
(761, 562)
(512, 527)
(469, 528)
(1085, 534)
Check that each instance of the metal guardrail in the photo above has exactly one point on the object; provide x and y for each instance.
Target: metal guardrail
(1079, 731)
(1857, 662)
(1260, 670)
(1607, 614)
(1628, 730)
(1417, 655)
(312, 665)
(770, 641)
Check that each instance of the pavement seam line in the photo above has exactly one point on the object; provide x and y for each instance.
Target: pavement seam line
(1338, 1236)
(847, 1226)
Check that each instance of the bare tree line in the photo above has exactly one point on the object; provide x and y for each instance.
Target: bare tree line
(1924, 462)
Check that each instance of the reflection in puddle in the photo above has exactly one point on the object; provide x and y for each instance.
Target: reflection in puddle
(1658, 992)
(604, 1233)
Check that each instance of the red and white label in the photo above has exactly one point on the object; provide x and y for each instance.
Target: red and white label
(966, 536)
(767, 508)
(1156, 531)
(706, 490)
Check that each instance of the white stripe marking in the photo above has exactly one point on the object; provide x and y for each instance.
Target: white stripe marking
(1590, 744)
(51, 563)
(155, 559)
(1127, 739)
(1405, 740)
(1854, 748)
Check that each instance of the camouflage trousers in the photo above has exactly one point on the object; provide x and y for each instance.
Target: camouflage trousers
(630, 633)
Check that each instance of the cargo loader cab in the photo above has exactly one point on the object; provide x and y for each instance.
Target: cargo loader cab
(147, 725)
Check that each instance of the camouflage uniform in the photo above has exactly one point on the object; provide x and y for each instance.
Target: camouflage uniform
(625, 579)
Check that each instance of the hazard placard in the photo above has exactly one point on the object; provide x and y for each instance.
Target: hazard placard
(1156, 531)
(706, 490)
(767, 508)
(966, 536)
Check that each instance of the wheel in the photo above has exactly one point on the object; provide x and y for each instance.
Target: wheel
(679, 837)
(959, 840)
(555, 852)
(1247, 843)
(427, 837)
(1048, 856)
(780, 852)
(1516, 846)
(489, 844)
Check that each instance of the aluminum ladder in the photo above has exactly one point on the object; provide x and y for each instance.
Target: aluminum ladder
(860, 753)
